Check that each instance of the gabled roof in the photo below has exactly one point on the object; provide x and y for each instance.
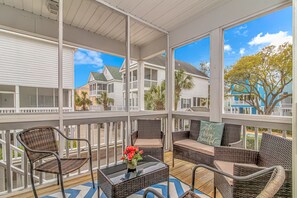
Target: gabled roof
(115, 72)
(160, 60)
(98, 76)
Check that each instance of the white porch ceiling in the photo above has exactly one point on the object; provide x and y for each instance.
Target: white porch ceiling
(93, 17)
(166, 14)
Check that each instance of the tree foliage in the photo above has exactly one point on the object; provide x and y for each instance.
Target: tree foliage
(182, 81)
(82, 101)
(155, 97)
(263, 77)
(104, 100)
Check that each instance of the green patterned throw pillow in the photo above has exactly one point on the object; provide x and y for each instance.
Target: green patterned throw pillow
(211, 133)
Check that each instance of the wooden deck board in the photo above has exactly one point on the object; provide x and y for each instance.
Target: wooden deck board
(182, 170)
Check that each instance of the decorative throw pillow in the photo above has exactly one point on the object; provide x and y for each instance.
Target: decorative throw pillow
(211, 133)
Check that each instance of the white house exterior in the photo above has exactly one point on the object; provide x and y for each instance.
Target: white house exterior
(110, 81)
(145, 74)
(29, 74)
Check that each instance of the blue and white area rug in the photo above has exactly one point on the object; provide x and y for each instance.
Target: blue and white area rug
(176, 189)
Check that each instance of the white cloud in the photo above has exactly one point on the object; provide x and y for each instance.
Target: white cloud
(87, 57)
(242, 51)
(227, 48)
(271, 39)
(241, 30)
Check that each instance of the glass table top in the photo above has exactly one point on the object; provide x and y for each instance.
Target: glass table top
(118, 173)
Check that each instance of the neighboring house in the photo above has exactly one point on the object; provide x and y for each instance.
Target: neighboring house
(145, 74)
(236, 103)
(110, 81)
(29, 75)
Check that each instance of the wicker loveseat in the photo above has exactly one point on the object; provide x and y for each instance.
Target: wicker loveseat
(273, 151)
(186, 147)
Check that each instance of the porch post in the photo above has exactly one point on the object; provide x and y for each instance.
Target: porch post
(216, 75)
(128, 53)
(294, 102)
(140, 78)
(17, 98)
(169, 78)
(60, 75)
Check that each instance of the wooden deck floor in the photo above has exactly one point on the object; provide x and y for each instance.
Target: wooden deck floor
(182, 170)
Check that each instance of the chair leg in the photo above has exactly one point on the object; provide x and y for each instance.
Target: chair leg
(91, 170)
(214, 192)
(62, 185)
(58, 179)
(32, 182)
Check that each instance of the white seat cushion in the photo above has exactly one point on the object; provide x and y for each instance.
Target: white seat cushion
(148, 143)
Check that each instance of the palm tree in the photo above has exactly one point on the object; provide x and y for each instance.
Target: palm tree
(182, 81)
(82, 101)
(155, 97)
(104, 100)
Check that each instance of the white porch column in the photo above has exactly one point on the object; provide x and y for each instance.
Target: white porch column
(72, 99)
(60, 76)
(128, 53)
(169, 78)
(216, 75)
(140, 78)
(17, 98)
(294, 124)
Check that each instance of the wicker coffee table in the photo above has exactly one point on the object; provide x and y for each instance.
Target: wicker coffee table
(114, 181)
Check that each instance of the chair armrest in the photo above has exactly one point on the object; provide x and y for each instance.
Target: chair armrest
(153, 191)
(238, 144)
(236, 155)
(134, 136)
(180, 135)
(247, 177)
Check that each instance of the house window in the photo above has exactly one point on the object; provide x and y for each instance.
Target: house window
(185, 103)
(150, 77)
(199, 102)
(111, 88)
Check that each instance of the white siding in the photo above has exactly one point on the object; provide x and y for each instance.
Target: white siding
(29, 62)
(200, 89)
(117, 95)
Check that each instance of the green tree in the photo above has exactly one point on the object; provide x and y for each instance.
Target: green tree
(154, 98)
(104, 100)
(82, 101)
(263, 77)
(182, 81)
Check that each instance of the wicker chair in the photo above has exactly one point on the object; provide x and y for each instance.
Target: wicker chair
(276, 175)
(149, 138)
(186, 147)
(39, 143)
(273, 151)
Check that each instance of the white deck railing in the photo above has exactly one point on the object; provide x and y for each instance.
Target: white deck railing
(34, 110)
(108, 136)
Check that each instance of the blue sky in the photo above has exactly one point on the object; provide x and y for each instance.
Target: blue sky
(241, 40)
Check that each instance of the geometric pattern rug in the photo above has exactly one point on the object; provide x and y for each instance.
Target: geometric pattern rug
(176, 189)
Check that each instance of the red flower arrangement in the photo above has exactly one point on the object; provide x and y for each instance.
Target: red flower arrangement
(132, 155)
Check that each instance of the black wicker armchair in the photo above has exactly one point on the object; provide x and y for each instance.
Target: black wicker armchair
(39, 143)
(235, 161)
(186, 147)
(149, 138)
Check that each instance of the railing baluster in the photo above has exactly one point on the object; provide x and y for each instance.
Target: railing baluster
(244, 136)
(40, 174)
(284, 133)
(123, 136)
(8, 161)
(89, 139)
(107, 144)
(98, 145)
(67, 142)
(115, 142)
(78, 143)
(25, 171)
(256, 139)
